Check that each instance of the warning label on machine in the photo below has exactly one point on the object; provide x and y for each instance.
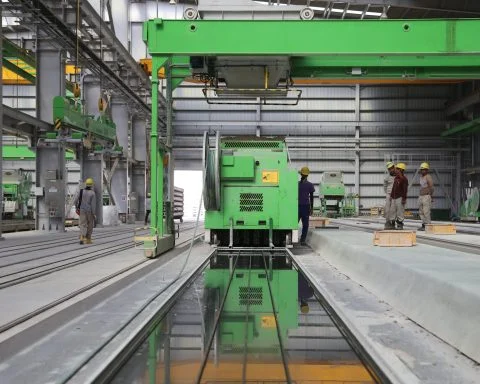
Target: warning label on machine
(270, 176)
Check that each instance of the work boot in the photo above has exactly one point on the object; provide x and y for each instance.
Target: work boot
(422, 228)
(304, 307)
(389, 225)
(303, 243)
(88, 241)
(400, 225)
(82, 239)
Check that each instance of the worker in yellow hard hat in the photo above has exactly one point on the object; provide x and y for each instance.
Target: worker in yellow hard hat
(389, 211)
(86, 205)
(305, 202)
(398, 195)
(425, 199)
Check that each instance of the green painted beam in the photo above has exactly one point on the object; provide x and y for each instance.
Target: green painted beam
(345, 72)
(401, 42)
(70, 114)
(463, 129)
(12, 50)
(19, 71)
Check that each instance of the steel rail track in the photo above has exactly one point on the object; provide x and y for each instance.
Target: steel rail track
(109, 251)
(63, 251)
(450, 244)
(39, 311)
(62, 239)
(56, 242)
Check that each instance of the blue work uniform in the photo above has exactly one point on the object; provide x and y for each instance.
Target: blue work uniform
(305, 189)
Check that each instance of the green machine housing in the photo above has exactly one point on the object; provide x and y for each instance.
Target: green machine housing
(251, 193)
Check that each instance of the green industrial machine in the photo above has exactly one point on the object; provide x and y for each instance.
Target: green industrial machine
(470, 209)
(68, 112)
(331, 193)
(218, 52)
(334, 202)
(17, 185)
(251, 193)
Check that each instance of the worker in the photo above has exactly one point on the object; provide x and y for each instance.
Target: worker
(387, 188)
(86, 204)
(305, 202)
(305, 292)
(148, 207)
(426, 192)
(399, 195)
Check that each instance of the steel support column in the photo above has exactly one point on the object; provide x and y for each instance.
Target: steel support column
(156, 155)
(1, 126)
(120, 180)
(138, 167)
(458, 181)
(92, 165)
(357, 150)
(50, 156)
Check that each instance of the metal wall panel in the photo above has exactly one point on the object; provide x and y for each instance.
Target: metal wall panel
(410, 119)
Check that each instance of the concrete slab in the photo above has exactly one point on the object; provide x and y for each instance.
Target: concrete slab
(32, 295)
(404, 351)
(435, 287)
(107, 325)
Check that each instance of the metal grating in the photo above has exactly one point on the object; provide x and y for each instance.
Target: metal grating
(251, 202)
(252, 144)
(250, 295)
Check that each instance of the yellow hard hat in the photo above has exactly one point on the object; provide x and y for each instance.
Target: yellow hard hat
(390, 165)
(401, 166)
(305, 171)
(424, 166)
(89, 182)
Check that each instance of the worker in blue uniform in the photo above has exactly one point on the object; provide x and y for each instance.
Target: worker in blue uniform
(305, 292)
(305, 202)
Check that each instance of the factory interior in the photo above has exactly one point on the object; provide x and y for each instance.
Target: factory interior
(240, 191)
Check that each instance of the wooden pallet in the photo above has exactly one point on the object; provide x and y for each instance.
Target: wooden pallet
(395, 238)
(441, 229)
(318, 222)
(376, 211)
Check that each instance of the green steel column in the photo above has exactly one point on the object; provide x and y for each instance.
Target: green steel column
(169, 169)
(152, 356)
(157, 193)
(1, 122)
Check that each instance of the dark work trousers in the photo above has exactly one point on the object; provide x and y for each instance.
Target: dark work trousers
(146, 216)
(304, 213)
(304, 290)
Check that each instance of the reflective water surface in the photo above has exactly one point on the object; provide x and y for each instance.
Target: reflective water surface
(227, 329)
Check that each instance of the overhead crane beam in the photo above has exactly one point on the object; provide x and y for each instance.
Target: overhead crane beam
(45, 16)
(446, 49)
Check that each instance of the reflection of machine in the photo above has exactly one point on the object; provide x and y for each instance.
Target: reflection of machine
(470, 209)
(248, 316)
(16, 193)
(250, 192)
(332, 194)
